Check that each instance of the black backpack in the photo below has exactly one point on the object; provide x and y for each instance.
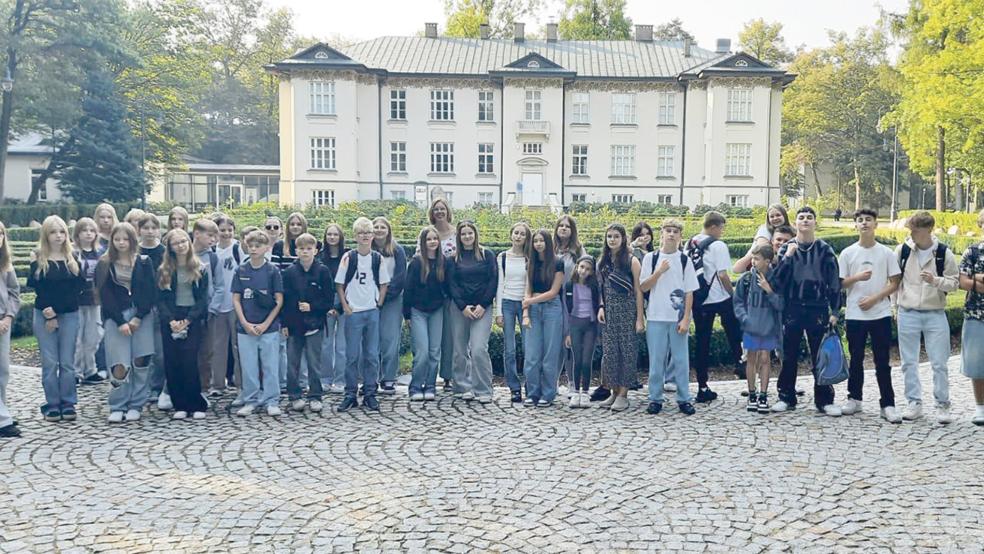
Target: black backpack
(353, 265)
(696, 251)
(235, 252)
(652, 269)
(940, 255)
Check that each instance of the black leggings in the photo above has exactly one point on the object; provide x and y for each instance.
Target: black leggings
(584, 334)
(181, 368)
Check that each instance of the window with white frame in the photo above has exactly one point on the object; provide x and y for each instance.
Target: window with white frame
(579, 197)
(398, 157)
(322, 97)
(621, 198)
(623, 108)
(667, 108)
(322, 152)
(486, 158)
(664, 199)
(623, 160)
(323, 198)
(486, 105)
(442, 157)
(486, 198)
(738, 162)
(579, 159)
(580, 107)
(738, 200)
(533, 105)
(664, 161)
(398, 194)
(740, 104)
(442, 105)
(449, 196)
(398, 104)
(533, 148)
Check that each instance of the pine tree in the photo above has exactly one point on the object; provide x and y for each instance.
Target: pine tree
(100, 161)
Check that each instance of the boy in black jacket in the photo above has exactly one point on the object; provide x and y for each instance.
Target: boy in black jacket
(309, 292)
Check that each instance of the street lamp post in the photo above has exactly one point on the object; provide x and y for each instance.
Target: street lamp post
(895, 173)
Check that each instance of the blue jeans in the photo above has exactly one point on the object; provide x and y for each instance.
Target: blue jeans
(304, 348)
(255, 352)
(57, 360)
(390, 330)
(512, 313)
(933, 327)
(662, 338)
(543, 342)
(333, 351)
(425, 330)
(281, 363)
(362, 341)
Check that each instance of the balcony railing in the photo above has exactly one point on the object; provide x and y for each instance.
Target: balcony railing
(532, 127)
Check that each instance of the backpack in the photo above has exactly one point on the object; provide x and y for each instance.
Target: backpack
(939, 254)
(353, 265)
(696, 251)
(502, 261)
(831, 361)
(652, 269)
(235, 252)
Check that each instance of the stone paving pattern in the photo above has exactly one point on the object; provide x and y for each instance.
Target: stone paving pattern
(458, 476)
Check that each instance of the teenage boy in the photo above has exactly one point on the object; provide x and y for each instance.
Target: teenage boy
(716, 259)
(222, 325)
(870, 273)
(808, 278)
(781, 235)
(257, 297)
(309, 292)
(149, 230)
(361, 283)
(204, 235)
(929, 272)
(668, 276)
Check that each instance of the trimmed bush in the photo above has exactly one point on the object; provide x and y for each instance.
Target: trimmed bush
(23, 214)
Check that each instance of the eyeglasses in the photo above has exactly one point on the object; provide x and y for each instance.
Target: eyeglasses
(273, 227)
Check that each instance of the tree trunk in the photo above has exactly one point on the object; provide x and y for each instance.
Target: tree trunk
(17, 23)
(857, 187)
(816, 178)
(940, 162)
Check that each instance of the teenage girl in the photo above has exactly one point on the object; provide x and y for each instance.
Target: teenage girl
(177, 219)
(423, 306)
(440, 216)
(105, 216)
(543, 314)
(391, 314)
(333, 349)
(84, 236)
(9, 306)
(285, 250)
(511, 266)
(582, 299)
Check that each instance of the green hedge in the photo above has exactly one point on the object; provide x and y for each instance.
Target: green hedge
(23, 214)
(966, 222)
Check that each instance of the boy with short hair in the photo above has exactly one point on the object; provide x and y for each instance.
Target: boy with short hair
(257, 297)
(204, 235)
(222, 327)
(870, 273)
(309, 292)
(149, 230)
(929, 272)
(668, 276)
(361, 283)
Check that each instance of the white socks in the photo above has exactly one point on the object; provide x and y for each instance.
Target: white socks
(980, 410)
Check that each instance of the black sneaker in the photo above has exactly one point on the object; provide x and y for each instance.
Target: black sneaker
(744, 393)
(752, 405)
(68, 414)
(706, 395)
(448, 387)
(763, 404)
(516, 397)
(600, 393)
(53, 416)
(687, 408)
(388, 388)
(93, 379)
(654, 408)
(10, 431)
(370, 403)
(347, 404)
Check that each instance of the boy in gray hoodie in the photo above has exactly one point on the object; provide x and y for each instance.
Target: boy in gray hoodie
(759, 310)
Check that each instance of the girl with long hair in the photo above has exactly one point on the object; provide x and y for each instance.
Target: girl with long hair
(285, 250)
(178, 218)
(442, 218)
(775, 217)
(333, 347)
(512, 268)
(85, 236)
(391, 314)
(105, 218)
(642, 240)
(423, 306)
(582, 299)
(9, 306)
(545, 321)
(567, 245)
(58, 280)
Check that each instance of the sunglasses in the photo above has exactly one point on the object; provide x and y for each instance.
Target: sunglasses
(273, 227)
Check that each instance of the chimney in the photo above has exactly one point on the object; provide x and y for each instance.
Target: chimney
(687, 46)
(723, 46)
(430, 30)
(519, 32)
(551, 32)
(644, 33)
(483, 31)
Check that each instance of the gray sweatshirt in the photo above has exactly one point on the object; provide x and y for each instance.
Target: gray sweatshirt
(760, 314)
(9, 294)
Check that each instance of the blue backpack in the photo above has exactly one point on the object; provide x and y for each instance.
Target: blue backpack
(831, 361)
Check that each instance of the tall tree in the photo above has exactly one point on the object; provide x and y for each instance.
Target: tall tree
(465, 16)
(673, 30)
(764, 41)
(595, 20)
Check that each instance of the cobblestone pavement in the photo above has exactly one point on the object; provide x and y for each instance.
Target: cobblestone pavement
(457, 476)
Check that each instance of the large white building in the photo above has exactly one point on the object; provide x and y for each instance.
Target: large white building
(539, 123)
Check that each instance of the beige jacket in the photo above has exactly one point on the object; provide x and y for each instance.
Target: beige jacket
(916, 294)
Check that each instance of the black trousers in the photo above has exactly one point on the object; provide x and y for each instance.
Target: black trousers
(813, 322)
(584, 335)
(704, 326)
(880, 331)
(181, 368)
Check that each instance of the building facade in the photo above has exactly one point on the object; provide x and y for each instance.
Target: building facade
(535, 123)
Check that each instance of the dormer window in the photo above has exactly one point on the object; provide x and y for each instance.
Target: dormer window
(533, 64)
(321, 55)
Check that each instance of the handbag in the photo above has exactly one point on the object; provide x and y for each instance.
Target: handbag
(832, 364)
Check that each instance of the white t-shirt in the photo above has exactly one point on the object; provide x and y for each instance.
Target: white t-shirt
(923, 256)
(362, 293)
(883, 264)
(512, 282)
(229, 264)
(716, 258)
(763, 232)
(667, 298)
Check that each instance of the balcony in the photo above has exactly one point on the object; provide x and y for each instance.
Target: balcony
(532, 127)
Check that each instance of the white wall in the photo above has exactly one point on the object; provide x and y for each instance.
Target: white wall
(17, 177)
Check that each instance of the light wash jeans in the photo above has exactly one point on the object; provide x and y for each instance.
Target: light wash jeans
(333, 351)
(90, 334)
(543, 344)
(472, 365)
(662, 339)
(57, 360)
(390, 335)
(362, 342)
(282, 363)
(5, 418)
(512, 313)
(446, 369)
(425, 330)
(132, 393)
(934, 329)
(255, 352)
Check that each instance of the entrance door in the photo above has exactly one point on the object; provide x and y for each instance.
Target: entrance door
(231, 191)
(532, 192)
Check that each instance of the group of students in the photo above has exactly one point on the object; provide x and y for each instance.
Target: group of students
(176, 319)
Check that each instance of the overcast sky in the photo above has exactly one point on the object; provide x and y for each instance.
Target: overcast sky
(804, 22)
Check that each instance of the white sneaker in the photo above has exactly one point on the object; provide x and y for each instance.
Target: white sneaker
(116, 417)
(484, 399)
(298, 405)
(133, 415)
(468, 396)
(585, 400)
(832, 410)
(238, 402)
(180, 415)
(851, 407)
(913, 411)
(669, 387)
(315, 406)
(273, 410)
(891, 415)
(246, 410)
(943, 415)
(417, 397)
(429, 395)
(198, 415)
(780, 406)
(528, 401)
(575, 401)
(164, 402)
(336, 389)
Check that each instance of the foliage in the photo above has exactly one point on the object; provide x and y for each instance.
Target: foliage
(764, 41)
(965, 222)
(465, 16)
(672, 30)
(23, 214)
(595, 20)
